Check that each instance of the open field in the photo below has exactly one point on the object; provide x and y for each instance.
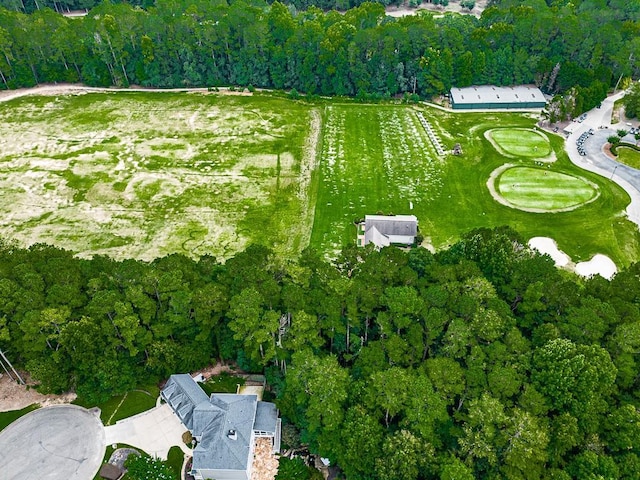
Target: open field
(629, 156)
(520, 142)
(373, 159)
(143, 175)
(147, 174)
(542, 190)
(378, 159)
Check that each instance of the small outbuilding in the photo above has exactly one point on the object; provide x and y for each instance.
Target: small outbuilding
(492, 97)
(385, 230)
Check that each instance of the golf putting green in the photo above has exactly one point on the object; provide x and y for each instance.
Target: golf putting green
(537, 189)
(520, 142)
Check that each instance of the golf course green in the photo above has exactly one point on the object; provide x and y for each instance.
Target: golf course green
(538, 189)
(520, 142)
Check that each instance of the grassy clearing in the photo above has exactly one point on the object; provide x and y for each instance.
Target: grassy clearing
(7, 418)
(465, 202)
(223, 383)
(520, 142)
(123, 406)
(373, 159)
(537, 188)
(148, 174)
(629, 156)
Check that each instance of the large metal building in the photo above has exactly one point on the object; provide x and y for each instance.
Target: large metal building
(491, 97)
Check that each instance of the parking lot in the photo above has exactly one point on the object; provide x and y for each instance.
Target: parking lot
(594, 159)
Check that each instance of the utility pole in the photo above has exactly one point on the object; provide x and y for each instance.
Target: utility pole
(7, 362)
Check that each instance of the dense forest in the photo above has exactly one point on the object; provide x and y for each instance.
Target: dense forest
(481, 361)
(579, 47)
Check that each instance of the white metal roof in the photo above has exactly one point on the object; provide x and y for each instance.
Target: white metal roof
(493, 94)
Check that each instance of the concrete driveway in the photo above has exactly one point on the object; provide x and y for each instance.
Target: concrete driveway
(598, 162)
(52, 443)
(154, 431)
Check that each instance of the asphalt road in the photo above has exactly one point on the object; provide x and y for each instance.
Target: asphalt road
(61, 442)
(598, 162)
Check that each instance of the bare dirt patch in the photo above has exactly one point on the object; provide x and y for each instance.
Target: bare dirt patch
(14, 396)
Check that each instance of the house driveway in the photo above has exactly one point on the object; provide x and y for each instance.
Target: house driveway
(154, 431)
(52, 443)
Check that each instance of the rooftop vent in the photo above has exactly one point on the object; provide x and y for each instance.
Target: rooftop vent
(232, 434)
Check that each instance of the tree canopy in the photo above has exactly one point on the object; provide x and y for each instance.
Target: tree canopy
(574, 47)
(481, 361)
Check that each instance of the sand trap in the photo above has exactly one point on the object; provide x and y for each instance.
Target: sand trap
(548, 245)
(598, 265)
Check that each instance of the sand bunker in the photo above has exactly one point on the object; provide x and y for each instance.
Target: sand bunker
(546, 245)
(598, 265)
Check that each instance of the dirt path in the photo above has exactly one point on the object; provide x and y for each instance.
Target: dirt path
(75, 89)
(15, 397)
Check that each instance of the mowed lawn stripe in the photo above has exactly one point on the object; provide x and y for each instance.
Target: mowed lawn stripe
(374, 159)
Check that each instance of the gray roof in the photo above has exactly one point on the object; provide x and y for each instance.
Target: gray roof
(183, 394)
(493, 94)
(217, 450)
(211, 419)
(383, 230)
(266, 417)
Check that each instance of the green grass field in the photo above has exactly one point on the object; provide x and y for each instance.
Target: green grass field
(630, 157)
(358, 176)
(540, 189)
(126, 405)
(520, 142)
(373, 159)
(148, 174)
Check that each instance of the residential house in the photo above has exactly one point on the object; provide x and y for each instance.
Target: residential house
(225, 427)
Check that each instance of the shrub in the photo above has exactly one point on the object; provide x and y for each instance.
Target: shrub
(143, 468)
